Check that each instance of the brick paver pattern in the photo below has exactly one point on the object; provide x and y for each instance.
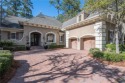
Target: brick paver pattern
(63, 66)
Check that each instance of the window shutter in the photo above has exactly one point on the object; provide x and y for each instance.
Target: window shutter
(8, 35)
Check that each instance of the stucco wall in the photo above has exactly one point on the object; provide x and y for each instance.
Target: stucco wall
(28, 30)
(82, 31)
(4, 35)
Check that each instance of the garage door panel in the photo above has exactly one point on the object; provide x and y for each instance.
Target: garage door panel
(88, 43)
(74, 43)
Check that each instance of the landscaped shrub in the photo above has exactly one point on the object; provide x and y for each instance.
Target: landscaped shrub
(6, 43)
(5, 61)
(108, 56)
(15, 48)
(98, 54)
(92, 50)
(122, 47)
(113, 57)
(19, 48)
(111, 47)
(54, 45)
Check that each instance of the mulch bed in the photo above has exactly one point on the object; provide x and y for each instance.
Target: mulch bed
(122, 63)
(10, 73)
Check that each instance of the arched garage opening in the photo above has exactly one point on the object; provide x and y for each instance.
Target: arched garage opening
(73, 43)
(87, 42)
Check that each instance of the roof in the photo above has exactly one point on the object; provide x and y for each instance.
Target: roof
(45, 20)
(69, 22)
(12, 21)
(42, 21)
(74, 19)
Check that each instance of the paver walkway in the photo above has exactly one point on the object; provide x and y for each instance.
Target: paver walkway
(63, 66)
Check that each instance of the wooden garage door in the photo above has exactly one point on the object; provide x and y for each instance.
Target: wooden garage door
(73, 43)
(89, 43)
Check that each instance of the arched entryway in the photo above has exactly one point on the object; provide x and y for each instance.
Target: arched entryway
(87, 42)
(35, 39)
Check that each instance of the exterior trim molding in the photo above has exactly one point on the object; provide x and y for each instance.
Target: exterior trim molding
(88, 35)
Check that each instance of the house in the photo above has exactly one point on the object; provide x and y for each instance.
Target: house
(82, 32)
(87, 31)
(35, 31)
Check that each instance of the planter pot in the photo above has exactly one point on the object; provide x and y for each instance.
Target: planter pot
(27, 48)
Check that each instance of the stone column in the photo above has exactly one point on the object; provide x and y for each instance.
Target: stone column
(67, 39)
(78, 44)
(100, 35)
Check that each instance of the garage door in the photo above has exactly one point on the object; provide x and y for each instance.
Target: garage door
(73, 43)
(89, 43)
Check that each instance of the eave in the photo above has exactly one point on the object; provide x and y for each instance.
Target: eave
(38, 25)
(87, 22)
(11, 29)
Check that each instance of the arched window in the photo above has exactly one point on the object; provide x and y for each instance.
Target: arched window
(50, 37)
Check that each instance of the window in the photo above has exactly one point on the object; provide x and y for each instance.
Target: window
(110, 36)
(50, 37)
(13, 35)
(80, 18)
(61, 38)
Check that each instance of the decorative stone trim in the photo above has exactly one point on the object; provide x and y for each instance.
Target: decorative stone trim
(100, 35)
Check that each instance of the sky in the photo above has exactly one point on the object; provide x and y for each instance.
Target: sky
(45, 8)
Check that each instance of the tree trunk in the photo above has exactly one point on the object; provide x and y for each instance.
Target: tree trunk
(117, 41)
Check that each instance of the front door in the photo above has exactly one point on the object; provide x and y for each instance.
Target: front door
(35, 39)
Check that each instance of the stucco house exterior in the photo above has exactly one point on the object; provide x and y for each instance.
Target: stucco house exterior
(82, 32)
(35, 31)
(87, 31)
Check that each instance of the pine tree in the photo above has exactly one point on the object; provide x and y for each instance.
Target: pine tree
(18, 7)
(27, 5)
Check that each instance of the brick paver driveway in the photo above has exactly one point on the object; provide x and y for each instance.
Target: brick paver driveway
(63, 66)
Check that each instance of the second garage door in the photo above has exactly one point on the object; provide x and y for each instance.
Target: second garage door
(88, 43)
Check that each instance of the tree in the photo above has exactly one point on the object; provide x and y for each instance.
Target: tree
(18, 7)
(27, 5)
(117, 7)
(13, 7)
(56, 4)
(71, 7)
(68, 8)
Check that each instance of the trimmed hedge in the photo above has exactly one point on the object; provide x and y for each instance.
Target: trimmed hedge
(9, 45)
(5, 61)
(54, 45)
(6, 43)
(15, 48)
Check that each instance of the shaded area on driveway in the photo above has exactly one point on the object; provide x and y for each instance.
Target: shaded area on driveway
(63, 66)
